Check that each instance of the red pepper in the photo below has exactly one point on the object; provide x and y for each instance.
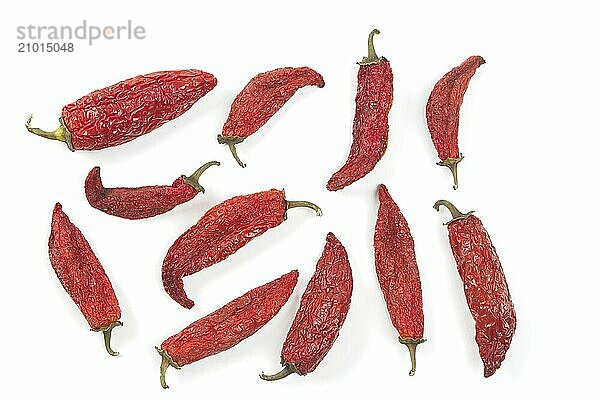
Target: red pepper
(398, 273)
(322, 312)
(443, 110)
(485, 286)
(126, 110)
(222, 231)
(82, 276)
(145, 201)
(374, 97)
(224, 328)
(262, 97)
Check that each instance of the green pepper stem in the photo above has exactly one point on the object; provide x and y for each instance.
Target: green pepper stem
(456, 215)
(165, 363)
(231, 141)
(61, 133)
(193, 179)
(412, 350)
(293, 204)
(371, 57)
(106, 332)
(452, 164)
(287, 370)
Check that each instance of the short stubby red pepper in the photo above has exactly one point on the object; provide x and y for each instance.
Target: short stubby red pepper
(262, 97)
(485, 286)
(222, 231)
(443, 111)
(142, 202)
(322, 312)
(224, 328)
(82, 276)
(398, 273)
(129, 109)
(374, 96)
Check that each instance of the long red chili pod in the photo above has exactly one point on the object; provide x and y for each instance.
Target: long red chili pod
(485, 286)
(222, 231)
(374, 96)
(224, 328)
(145, 201)
(262, 97)
(322, 312)
(82, 276)
(126, 110)
(443, 110)
(398, 273)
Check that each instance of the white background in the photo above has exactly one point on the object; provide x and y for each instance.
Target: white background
(529, 132)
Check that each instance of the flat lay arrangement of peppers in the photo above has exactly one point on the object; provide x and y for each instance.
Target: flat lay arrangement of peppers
(122, 112)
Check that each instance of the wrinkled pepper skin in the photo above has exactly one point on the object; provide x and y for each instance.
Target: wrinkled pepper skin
(374, 98)
(129, 109)
(82, 276)
(322, 312)
(224, 328)
(142, 202)
(398, 273)
(262, 97)
(485, 287)
(443, 111)
(222, 231)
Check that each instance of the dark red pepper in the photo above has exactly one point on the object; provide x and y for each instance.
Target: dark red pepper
(262, 97)
(443, 110)
(82, 276)
(224, 328)
(485, 286)
(374, 96)
(126, 110)
(322, 312)
(398, 273)
(145, 201)
(222, 231)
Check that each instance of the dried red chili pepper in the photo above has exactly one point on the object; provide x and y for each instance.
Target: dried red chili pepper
(222, 231)
(485, 286)
(323, 309)
(443, 110)
(260, 99)
(145, 201)
(398, 273)
(374, 96)
(82, 276)
(224, 328)
(126, 110)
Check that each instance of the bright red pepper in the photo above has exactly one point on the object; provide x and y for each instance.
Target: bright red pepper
(82, 276)
(224, 328)
(398, 273)
(443, 110)
(145, 201)
(374, 96)
(262, 97)
(322, 312)
(222, 231)
(485, 286)
(126, 110)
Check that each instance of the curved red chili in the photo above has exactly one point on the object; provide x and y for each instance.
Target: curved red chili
(126, 110)
(322, 312)
(485, 286)
(443, 110)
(374, 96)
(222, 231)
(145, 201)
(260, 99)
(398, 273)
(224, 328)
(82, 276)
